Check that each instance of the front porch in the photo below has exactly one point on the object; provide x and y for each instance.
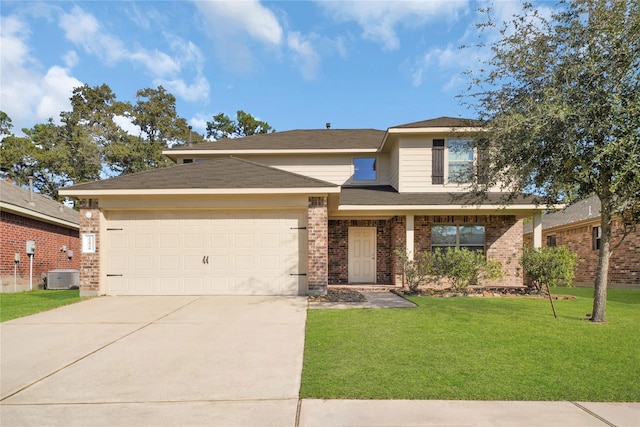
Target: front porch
(348, 250)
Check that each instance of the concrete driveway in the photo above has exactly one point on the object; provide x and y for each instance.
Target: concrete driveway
(155, 361)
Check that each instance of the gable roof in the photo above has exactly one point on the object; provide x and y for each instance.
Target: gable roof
(441, 122)
(223, 173)
(18, 200)
(580, 211)
(318, 140)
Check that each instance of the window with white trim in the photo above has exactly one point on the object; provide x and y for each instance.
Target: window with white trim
(460, 161)
(470, 237)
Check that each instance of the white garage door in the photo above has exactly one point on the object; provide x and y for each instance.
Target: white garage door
(206, 253)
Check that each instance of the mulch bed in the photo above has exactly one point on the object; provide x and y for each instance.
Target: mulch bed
(483, 293)
(339, 295)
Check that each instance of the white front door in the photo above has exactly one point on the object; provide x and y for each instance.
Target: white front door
(362, 254)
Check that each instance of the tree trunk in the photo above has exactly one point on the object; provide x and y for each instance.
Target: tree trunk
(600, 287)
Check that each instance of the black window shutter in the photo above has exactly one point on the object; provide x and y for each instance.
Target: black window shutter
(482, 166)
(437, 162)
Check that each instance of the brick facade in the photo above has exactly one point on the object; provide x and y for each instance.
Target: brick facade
(624, 264)
(503, 242)
(15, 230)
(386, 241)
(90, 262)
(317, 254)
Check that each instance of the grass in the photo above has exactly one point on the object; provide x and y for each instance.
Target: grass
(22, 304)
(477, 349)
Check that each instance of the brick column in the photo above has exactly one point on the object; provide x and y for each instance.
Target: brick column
(318, 243)
(90, 262)
(503, 240)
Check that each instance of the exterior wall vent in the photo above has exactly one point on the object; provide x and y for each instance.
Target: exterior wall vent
(63, 279)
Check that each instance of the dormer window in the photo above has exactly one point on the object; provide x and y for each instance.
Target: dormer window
(364, 169)
(460, 161)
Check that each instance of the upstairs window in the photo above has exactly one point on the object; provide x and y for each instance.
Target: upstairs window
(364, 169)
(470, 237)
(460, 161)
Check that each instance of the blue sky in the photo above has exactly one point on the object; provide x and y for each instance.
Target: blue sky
(296, 65)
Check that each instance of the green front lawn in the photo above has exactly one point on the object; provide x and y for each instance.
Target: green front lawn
(25, 303)
(477, 349)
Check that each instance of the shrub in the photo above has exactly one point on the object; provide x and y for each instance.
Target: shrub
(548, 266)
(463, 267)
(415, 271)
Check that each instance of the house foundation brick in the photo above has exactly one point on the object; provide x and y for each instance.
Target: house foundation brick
(317, 253)
(90, 262)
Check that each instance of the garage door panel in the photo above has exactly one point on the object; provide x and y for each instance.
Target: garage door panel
(144, 241)
(248, 252)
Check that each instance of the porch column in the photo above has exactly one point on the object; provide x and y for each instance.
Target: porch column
(537, 230)
(409, 241)
(90, 256)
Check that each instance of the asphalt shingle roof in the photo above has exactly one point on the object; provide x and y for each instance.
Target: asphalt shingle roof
(219, 173)
(387, 195)
(579, 211)
(13, 195)
(439, 122)
(318, 139)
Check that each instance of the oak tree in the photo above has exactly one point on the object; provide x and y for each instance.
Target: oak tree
(560, 98)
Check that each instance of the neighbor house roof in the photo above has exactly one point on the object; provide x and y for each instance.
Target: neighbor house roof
(583, 210)
(318, 140)
(22, 202)
(386, 195)
(223, 173)
(442, 122)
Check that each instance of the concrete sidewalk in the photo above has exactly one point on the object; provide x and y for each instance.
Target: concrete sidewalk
(438, 413)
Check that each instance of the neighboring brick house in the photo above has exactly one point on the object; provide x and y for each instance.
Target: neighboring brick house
(289, 213)
(578, 228)
(29, 216)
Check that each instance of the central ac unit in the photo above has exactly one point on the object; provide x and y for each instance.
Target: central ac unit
(63, 279)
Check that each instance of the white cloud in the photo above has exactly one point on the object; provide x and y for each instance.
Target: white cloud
(199, 123)
(57, 87)
(458, 60)
(27, 95)
(235, 26)
(196, 91)
(380, 20)
(126, 125)
(229, 18)
(156, 62)
(304, 54)
(84, 30)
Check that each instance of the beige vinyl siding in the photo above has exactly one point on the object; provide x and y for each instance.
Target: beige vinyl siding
(333, 168)
(414, 163)
(394, 167)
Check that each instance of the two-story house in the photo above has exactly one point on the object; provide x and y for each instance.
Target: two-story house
(290, 212)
